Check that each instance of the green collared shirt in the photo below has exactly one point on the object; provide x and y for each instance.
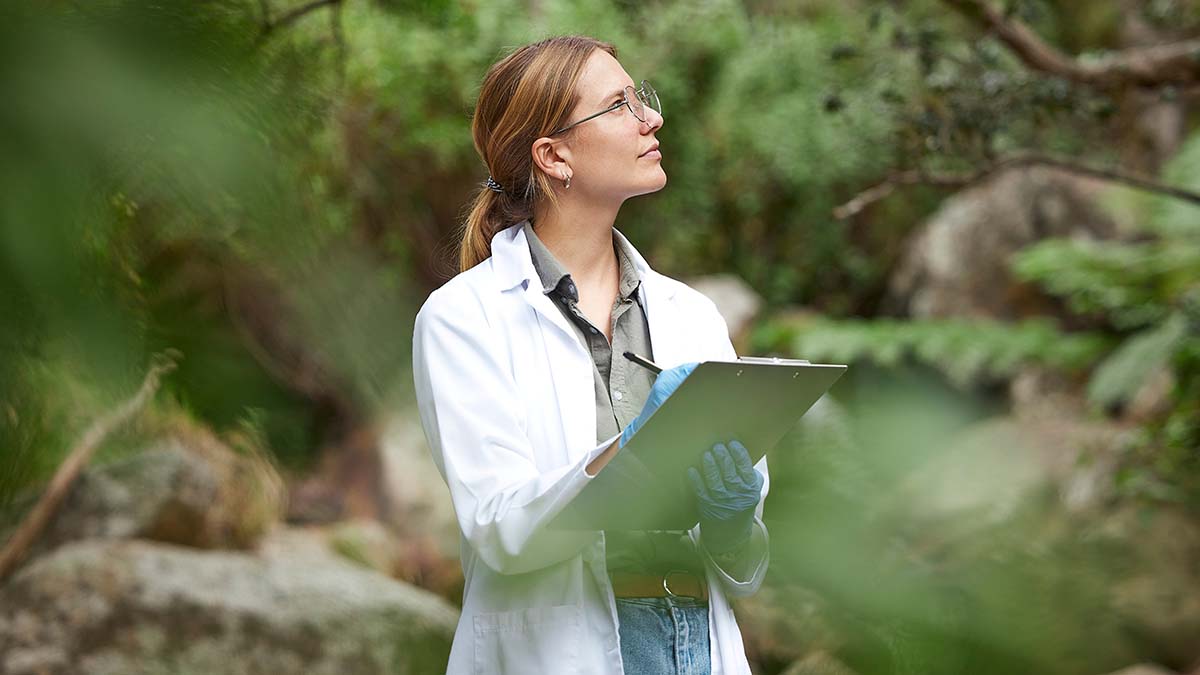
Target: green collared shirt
(621, 389)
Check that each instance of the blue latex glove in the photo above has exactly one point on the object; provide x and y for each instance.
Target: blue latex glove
(727, 491)
(664, 385)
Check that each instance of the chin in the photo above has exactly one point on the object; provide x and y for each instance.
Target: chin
(655, 184)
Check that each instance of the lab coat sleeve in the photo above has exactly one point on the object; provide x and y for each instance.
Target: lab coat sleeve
(473, 419)
(757, 553)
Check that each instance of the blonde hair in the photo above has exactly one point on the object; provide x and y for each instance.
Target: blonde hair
(526, 95)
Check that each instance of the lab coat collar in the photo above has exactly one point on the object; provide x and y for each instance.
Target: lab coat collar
(513, 265)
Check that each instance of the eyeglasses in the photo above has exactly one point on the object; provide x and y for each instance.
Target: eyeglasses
(636, 99)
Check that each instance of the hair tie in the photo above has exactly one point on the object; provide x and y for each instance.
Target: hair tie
(493, 185)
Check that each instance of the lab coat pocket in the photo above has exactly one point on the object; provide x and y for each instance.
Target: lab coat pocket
(535, 640)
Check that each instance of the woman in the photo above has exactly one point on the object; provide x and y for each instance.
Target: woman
(525, 397)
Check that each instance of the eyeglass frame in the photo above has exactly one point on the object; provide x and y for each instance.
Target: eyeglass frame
(639, 92)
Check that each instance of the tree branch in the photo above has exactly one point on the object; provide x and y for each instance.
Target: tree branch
(292, 16)
(961, 180)
(1175, 64)
(32, 525)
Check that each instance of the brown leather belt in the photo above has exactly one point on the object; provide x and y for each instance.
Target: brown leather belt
(672, 584)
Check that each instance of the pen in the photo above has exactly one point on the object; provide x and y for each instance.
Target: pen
(643, 362)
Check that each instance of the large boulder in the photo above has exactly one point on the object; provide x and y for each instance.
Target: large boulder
(995, 466)
(737, 302)
(127, 607)
(421, 513)
(957, 264)
(186, 488)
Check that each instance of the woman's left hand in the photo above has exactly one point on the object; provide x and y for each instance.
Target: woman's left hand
(727, 491)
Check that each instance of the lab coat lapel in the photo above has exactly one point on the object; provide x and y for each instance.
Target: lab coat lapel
(658, 299)
(571, 370)
(667, 328)
(513, 266)
(569, 365)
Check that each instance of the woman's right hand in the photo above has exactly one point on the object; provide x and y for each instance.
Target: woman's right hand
(664, 385)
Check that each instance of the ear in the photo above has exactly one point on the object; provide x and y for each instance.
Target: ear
(552, 157)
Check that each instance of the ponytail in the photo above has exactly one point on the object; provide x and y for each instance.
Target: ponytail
(524, 96)
(482, 224)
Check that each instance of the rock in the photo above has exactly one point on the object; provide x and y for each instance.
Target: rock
(412, 558)
(957, 264)
(418, 498)
(187, 489)
(367, 543)
(110, 607)
(737, 302)
(346, 484)
(422, 515)
(995, 466)
(1153, 400)
(1039, 394)
(298, 543)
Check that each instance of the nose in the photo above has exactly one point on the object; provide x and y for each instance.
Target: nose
(654, 119)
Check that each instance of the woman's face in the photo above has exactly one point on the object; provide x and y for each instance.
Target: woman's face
(609, 156)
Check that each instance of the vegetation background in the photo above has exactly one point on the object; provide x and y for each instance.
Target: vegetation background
(272, 188)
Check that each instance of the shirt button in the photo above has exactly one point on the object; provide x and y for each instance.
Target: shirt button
(618, 395)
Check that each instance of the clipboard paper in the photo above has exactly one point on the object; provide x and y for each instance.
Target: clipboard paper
(752, 400)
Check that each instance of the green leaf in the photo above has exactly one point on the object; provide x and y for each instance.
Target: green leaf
(1118, 377)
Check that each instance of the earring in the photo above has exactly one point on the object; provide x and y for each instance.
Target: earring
(567, 183)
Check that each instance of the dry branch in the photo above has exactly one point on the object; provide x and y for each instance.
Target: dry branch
(36, 520)
(1176, 64)
(291, 16)
(961, 180)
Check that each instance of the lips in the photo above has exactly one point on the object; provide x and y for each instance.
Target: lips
(649, 150)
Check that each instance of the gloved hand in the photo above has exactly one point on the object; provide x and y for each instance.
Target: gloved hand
(727, 494)
(665, 385)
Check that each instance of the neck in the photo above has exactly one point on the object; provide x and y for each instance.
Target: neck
(580, 237)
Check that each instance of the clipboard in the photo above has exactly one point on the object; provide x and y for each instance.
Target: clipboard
(645, 487)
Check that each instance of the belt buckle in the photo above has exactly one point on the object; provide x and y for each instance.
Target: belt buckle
(667, 587)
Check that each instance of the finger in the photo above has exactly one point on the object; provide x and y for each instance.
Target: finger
(674, 377)
(741, 459)
(729, 472)
(698, 485)
(665, 384)
(712, 475)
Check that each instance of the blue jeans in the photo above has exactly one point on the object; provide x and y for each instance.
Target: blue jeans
(667, 636)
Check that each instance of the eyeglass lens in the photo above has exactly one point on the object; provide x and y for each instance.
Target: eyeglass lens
(641, 99)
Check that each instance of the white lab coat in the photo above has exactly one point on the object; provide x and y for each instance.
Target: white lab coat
(506, 397)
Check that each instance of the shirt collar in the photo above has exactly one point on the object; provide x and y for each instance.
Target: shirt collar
(555, 278)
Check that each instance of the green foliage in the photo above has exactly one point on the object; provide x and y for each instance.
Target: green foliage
(964, 350)
(1130, 284)
(1119, 376)
(163, 168)
(183, 182)
(766, 120)
(1147, 290)
(1175, 217)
